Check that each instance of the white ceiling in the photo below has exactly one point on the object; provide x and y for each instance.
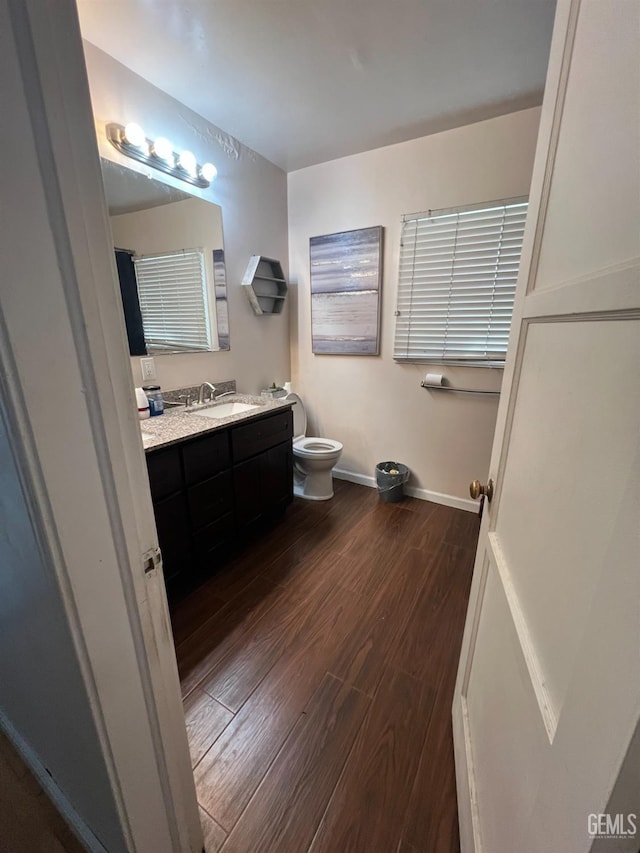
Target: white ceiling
(304, 81)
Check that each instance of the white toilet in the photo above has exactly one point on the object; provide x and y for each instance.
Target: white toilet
(313, 458)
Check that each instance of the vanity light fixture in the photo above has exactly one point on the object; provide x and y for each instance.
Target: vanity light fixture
(163, 149)
(208, 172)
(188, 162)
(134, 134)
(132, 141)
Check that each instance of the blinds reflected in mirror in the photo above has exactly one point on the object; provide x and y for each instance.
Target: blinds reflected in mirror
(172, 289)
(457, 280)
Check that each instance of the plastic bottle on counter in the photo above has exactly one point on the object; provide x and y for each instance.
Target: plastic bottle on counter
(142, 402)
(154, 395)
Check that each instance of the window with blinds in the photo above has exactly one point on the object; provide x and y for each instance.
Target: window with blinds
(172, 289)
(458, 273)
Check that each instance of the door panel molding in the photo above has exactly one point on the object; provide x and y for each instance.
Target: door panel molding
(548, 711)
(554, 135)
(471, 776)
(622, 314)
(475, 625)
(610, 289)
(494, 556)
(466, 787)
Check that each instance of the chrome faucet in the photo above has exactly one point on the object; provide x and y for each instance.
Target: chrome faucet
(212, 392)
(224, 394)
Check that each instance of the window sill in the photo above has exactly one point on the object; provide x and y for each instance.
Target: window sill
(494, 365)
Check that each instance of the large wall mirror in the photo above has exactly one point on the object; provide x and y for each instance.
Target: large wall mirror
(170, 258)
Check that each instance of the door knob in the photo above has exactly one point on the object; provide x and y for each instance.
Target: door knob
(476, 489)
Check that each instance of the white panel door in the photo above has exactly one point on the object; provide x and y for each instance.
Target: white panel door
(548, 693)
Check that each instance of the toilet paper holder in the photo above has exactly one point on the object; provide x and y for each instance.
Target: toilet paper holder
(432, 386)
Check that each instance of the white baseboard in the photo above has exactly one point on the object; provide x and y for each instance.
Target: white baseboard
(352, 477)
(422, 494)
(47, 783)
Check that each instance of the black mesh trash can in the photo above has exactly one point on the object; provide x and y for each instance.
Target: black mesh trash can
(391, 477)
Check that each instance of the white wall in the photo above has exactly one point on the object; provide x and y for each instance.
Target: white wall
(373, 405)
(253, 195)
(188, 224)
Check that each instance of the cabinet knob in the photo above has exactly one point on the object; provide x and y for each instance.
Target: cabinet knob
(476, 489)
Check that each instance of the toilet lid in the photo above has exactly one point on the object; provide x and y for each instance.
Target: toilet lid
(299, 416)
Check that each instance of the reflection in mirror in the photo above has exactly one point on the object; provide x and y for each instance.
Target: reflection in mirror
(170, 259)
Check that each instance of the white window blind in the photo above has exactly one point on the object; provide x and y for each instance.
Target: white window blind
(458, 273)
(172, 289)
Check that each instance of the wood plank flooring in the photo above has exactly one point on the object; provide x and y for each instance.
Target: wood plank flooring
(317, 671)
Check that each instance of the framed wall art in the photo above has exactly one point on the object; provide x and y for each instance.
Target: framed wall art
(346, 280)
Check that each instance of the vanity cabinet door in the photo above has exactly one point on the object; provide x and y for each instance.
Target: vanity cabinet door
(204, 457)
(277, 477)
(247, 491)
(211, 544)
(174, 538)
(211, 499)
(165, 472)
(263, 485)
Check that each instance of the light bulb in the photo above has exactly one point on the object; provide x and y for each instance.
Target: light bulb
(187, 161)
(208, 171)
(163, 150)
(134, 135)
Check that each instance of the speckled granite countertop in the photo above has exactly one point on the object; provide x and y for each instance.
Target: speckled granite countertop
(176, 425)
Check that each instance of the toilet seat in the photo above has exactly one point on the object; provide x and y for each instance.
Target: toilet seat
(299, 417)
(315, 448)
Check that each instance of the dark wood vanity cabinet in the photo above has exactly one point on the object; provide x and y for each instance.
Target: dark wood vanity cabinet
(211, 492)
(171, 512)
(263, 486)
(263, 471)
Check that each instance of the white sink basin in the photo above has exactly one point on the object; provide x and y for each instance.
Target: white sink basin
(225, 410)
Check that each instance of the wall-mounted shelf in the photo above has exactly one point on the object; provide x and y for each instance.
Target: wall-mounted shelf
(265, 285)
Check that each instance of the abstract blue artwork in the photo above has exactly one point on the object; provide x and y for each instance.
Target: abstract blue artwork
(346, 278)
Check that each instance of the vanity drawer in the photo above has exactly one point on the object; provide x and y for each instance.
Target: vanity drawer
(165, 472)
(260, 435)
(211, 499)
(205, 457)
(210, 543)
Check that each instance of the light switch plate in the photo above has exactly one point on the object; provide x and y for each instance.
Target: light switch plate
(148, 369)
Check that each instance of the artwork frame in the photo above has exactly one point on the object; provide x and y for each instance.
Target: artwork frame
(345, 274)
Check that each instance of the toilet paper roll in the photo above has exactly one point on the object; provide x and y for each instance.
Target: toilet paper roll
(434, 379)
(287, 387)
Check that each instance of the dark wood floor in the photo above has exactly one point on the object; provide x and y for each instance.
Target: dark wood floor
(318, 672)
(29, 822)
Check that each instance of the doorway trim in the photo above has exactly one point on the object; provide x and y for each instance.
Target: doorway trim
(78, 408)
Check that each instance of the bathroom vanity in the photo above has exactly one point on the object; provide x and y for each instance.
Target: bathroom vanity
(216, 485)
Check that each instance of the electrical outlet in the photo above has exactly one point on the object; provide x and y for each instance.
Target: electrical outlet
(148, 368)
